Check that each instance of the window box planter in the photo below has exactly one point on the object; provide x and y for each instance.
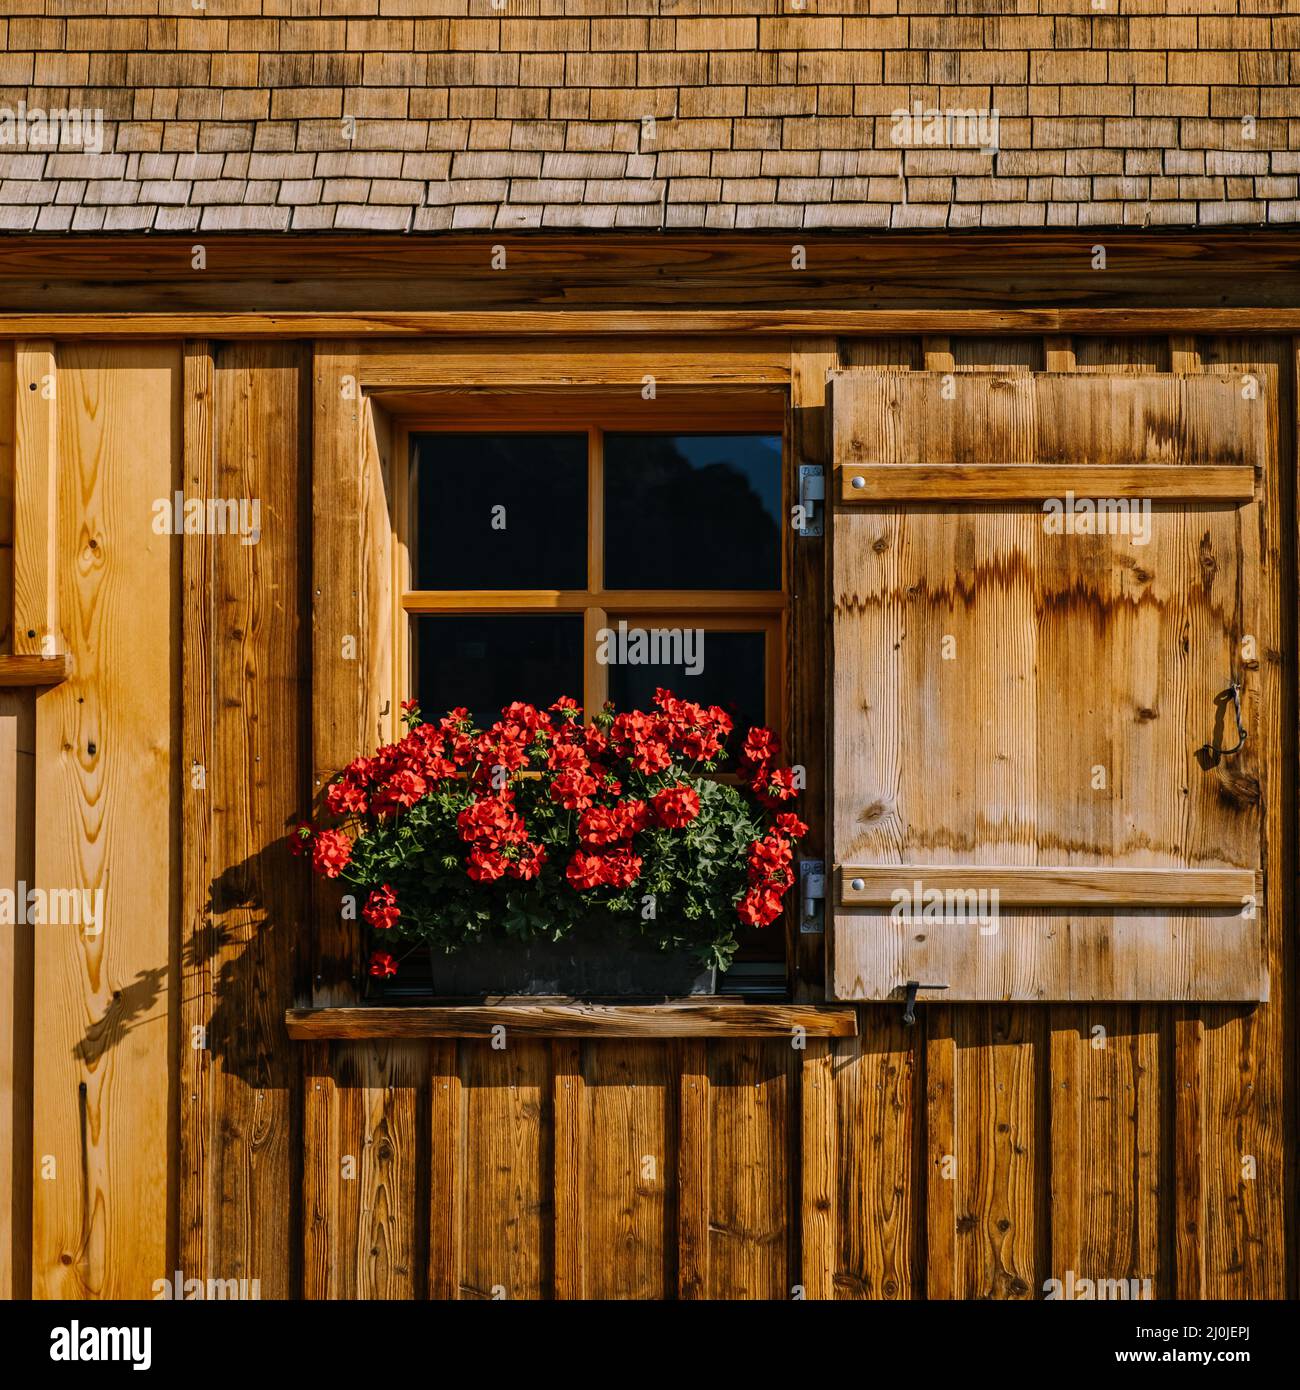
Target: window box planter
(546, 856)
(589, 965)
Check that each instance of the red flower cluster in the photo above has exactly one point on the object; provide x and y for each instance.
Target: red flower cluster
(330, 852)
(676, 806)
(770, 873)
(499, 840)
(648, 740)
(402, 773)
(771, 785)
(582, 768)
(616, 868)
(381, 909)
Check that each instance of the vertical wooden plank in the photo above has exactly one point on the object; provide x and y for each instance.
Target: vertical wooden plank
(197, 718)
(36, 501)
(17, 812)
(243, 895)
(805, 646)
(508, 1202)
(366, 1230)
(694, 1157)
(447, 1170)
(881, 1181)
(567, 1167)
(1189, 1143)
(351, 601)
(628, 1162)
(881, 1105)
(17, 865)
(7, 405)
(818, 1170)
(941, 1200)
(105, 1074)
(750, 1114)
(1248, 1055)
(1106, 1113)
(320, 1173)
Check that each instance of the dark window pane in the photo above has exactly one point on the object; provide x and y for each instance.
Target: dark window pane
(731, 674)
(499, 511)
(692, 511)
(484, 663)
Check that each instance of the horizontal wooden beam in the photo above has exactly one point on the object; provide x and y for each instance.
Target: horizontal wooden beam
(701, 601)
(34, 670)
(873, 483)
(575, 1020)
(875, 885)
(330, 323)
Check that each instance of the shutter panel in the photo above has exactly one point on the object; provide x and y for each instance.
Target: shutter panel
(1021, 711)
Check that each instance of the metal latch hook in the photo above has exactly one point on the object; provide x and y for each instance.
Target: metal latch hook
(909, 1000)
(1210, 751)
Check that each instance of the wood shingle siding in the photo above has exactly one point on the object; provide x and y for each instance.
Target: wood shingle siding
(387, 115)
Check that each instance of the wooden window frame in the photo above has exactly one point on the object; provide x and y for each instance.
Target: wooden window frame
(367, 399)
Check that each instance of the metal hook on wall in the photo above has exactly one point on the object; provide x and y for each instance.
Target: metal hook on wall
(1211, 751)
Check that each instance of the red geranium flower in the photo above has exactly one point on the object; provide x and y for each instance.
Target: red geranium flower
(330, 852)
(574, 790)
(790, 824)
(381, 909)
(404, 788)
(585, 870)
(382, 965)
(759, 907)
(676, 806)
(485, 865)
(528, 864)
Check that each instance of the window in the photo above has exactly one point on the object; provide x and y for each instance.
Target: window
(581, 549)
(598, 562)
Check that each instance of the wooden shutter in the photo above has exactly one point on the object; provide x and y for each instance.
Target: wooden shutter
(1022, 711)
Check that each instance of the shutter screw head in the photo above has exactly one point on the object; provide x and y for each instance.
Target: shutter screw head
(859, 481)
(858, 885)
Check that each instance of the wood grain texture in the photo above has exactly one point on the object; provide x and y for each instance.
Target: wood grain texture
(36, 629)
(8, 403)
(751, 1110)
(1247, 1073)
(17, 1037)
(446, 1164)
(1066, 422)
(971, 639)
(878, 1121)
(33, 671)
(870, 484)
(352, 623)
(366, 1231)
(1036, 280)
(874, 885)
(507, 1177)
(1110, 1074)
(629, 1144)
(105, 1073)
(198, 1002)
(573, 1020)
(777, 325)
(694, 1162)
(244, 896)
(567, 1167)
(818, 1172)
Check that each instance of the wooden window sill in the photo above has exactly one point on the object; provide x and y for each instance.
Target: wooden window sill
(560, 1018)
(34, 670)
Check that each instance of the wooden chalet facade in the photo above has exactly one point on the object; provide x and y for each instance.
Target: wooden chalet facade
(1104, 1088)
